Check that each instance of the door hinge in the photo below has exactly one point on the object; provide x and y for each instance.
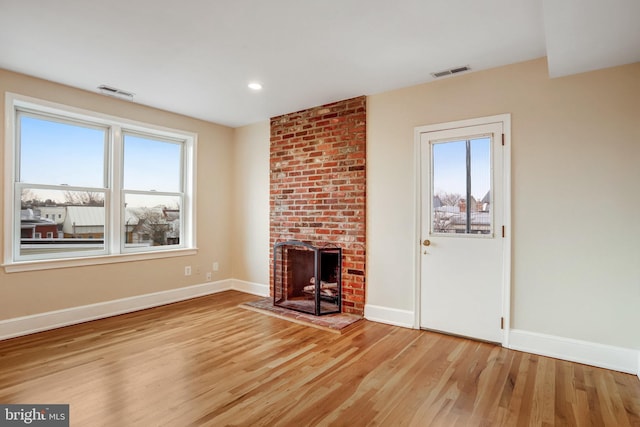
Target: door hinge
(503, 139)
(503, 231)
(502, 323)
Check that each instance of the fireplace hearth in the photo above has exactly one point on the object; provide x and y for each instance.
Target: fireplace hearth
(307, 278)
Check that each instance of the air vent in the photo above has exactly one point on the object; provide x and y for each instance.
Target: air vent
(118, 93)
(450, 71)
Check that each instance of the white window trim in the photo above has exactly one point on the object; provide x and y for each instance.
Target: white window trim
(188, 244)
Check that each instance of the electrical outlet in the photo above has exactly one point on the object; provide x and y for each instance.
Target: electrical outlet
(187, 270)
(208, 276)
(216, 266)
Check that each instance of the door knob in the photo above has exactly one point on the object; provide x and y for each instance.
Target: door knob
(427, 242)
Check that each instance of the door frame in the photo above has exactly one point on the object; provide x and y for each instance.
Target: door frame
(505, 119)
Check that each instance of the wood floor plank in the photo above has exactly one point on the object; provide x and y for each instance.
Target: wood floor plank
(207, 362)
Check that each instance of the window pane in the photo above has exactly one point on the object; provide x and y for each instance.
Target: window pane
(449, 186)
(72, 221)
(56, 153)
(151, 164)
(151, 220)
(480, 185)
(454, 180)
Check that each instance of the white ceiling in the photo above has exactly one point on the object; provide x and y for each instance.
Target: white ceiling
(196, 57)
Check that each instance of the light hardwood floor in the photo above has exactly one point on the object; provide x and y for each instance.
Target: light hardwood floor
(207, 362)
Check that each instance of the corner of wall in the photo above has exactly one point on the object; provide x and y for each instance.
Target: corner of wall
(390, 316)
(257, 289)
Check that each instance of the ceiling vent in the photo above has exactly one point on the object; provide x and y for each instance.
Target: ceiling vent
(450, 71)
(118, 93)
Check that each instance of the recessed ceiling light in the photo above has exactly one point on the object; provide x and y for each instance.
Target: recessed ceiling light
(255, 86)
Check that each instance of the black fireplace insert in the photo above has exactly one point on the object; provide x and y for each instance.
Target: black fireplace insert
(307, 278)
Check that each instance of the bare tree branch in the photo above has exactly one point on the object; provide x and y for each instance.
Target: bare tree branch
(86, 198)
(449, 199)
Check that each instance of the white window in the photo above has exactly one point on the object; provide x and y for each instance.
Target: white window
(153, 195)
(126, 187)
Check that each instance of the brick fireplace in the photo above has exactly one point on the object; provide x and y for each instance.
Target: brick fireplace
(318, 186)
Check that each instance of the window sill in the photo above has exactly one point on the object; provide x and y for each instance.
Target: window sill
(16, 267)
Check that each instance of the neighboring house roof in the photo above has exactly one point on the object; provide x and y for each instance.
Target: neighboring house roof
(448, 209)
(84, 216)
(477, 218)
(474, 202)
(30, 220)
(437, 203)
(171, 214)
(33, 216)
(130, 218)
(486, 198)
(32, 223)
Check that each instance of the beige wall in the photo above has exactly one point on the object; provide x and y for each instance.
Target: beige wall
(250, 241)
(575, 200)
(575, 157)
(36, 292)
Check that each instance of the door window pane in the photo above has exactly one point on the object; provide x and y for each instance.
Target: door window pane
(461, 184)
(61, 153)
(152, 164)
(480, 172)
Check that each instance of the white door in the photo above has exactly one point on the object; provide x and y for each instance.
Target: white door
(461, 247)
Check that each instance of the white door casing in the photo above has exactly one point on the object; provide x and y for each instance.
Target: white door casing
(463, 280)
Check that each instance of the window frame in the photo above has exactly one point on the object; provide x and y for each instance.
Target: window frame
(114, 250)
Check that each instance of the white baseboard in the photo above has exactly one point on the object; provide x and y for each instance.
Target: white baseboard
(56, 319)
(600, 355)
(589, 353)
(390, 316)
(250, 287)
